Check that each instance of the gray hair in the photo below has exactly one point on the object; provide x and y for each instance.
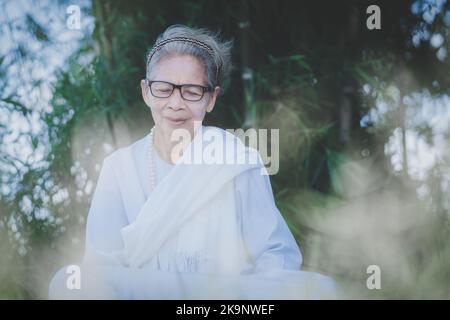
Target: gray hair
(206, 46)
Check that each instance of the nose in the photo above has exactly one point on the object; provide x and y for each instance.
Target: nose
(175, 100)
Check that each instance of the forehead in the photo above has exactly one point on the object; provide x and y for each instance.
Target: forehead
(179, 70)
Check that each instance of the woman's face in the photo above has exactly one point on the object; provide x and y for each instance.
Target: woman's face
(175, 112)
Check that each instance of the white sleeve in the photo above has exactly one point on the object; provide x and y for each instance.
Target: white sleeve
(267, 238)
(106, 215)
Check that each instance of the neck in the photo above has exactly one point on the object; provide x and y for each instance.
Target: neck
(166, 147)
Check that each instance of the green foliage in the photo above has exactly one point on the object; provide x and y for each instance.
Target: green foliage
(309, 73)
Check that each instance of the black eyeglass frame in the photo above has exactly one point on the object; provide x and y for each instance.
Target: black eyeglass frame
(179, 87)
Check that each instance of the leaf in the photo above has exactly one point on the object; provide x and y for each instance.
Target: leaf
(365, 76)
(18, 106)
(304, 65)
(293, 227)
(281, 192)
(37, 30)
(34, 142)
(296, 57)
(300, 60)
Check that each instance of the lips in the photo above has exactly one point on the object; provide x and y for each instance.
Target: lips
(176, 121)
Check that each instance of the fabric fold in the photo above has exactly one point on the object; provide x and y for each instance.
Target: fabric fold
(184, 193)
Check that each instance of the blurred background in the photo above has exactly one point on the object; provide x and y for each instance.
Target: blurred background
(364, 119)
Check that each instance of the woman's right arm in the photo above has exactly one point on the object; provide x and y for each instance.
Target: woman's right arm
(106, 215)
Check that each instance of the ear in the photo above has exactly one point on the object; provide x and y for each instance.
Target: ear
(145, 92)
(212, 100)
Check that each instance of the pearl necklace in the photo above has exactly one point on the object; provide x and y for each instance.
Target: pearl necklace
(150, 160)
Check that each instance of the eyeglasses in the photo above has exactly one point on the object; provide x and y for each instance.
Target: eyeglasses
(189, 92)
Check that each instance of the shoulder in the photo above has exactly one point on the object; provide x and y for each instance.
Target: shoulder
(232, 139)
(123, 155)
(255, 180)
(212, 130)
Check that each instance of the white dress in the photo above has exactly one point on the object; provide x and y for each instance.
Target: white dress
(269, 243)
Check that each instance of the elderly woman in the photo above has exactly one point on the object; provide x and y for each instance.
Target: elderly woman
(162, 225)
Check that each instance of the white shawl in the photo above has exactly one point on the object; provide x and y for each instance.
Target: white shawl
(197, 200)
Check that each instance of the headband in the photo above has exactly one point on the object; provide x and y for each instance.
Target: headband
(202, 45)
